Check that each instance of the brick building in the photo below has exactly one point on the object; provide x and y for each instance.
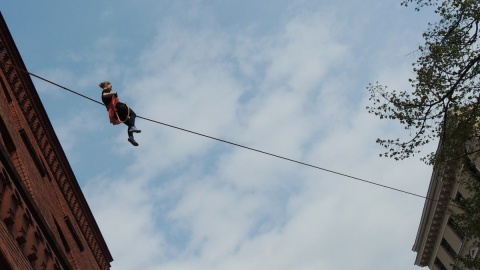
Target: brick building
(45, 221)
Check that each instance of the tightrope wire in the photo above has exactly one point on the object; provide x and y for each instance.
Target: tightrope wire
(234, 144)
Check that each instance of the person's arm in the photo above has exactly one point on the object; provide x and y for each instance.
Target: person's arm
(109, 94)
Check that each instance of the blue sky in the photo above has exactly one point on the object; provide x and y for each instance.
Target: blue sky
(286, 77)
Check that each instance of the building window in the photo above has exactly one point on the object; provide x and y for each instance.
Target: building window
(4, 264)
(449, 249)
(5, 91)
(33, 153)
(7, 139)
(473, 250)
(62, 237)
(456, 228)
(74, 233)
(439, 264)
(459, 198)
(474, 169)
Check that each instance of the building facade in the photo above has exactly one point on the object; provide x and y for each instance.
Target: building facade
(45, 221)
(439, 240)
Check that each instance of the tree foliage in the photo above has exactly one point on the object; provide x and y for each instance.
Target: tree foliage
(443, 103)
(447, 82)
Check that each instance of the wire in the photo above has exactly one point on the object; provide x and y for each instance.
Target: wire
(236, 144)
(63, 87)
(285, 158)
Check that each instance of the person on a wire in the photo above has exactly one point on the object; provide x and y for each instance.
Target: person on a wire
(119, 112)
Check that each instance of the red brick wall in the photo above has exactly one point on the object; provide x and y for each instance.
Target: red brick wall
(45, 221)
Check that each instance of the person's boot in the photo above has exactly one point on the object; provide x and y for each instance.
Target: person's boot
(134, 129)
(132, 141)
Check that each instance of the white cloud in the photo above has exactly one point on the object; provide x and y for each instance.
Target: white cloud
(292, 83)
(186, 202)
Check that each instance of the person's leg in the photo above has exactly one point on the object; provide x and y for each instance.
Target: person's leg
(122, 112)
(131, 122)
(131, 139)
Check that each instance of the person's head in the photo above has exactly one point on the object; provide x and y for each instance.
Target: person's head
(105, 85)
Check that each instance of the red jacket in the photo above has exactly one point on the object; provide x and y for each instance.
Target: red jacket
(112, 111)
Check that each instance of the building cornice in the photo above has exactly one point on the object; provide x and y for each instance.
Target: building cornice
(435, 210)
